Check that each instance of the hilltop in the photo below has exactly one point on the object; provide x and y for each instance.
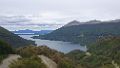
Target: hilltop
(84, 33)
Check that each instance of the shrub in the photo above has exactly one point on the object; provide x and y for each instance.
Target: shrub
(33, 62)
(5, 49)
(65, 64)
(27, 52)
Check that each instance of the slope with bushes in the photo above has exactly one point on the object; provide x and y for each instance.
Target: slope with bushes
(105, 53)
(5, 49)
(14, 40)
(58, 57)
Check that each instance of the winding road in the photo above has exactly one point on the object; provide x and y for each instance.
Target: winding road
(47, 61)
(8, 60)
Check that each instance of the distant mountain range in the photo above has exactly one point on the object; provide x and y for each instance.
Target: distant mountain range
(84, 32)
(13, 39)
(31, 32)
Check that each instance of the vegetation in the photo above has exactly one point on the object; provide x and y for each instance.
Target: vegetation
(27, 52)
(108, 47)
(2, 57)
(5, 49)
(14, 40)
(84, 34)
(9, 40)
(29, 58)
(32, 62)
(66, 63)
(59, 58)
(102, 54)
(40, 50)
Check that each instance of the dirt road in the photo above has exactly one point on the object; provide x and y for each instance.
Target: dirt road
(48, 62)
(7, 61)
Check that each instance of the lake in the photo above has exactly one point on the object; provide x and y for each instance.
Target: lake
(61, 46)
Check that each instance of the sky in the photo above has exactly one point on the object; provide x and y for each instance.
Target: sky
(52, 14)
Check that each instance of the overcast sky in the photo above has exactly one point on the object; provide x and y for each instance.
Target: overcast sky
(17, 12)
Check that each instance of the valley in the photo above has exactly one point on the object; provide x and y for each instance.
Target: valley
(83, 34)
(59, 33)
(63, 48)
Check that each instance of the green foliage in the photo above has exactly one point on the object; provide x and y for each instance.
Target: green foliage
(108, 47)
(33, 62)
(51, 53)
(27, 52)
(5, 49)
(59, 58)
(103, 52)
(95, 61)
(65, 64)
(76, 54)
(41, 50)
(84, 34)
(2, 57)
(14, 40)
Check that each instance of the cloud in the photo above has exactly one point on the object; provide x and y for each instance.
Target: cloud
(42, 18)
(32, 27)
(29, 22)
(6, 20)
(85, 9)
(37, 12)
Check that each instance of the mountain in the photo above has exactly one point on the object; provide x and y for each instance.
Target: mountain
(31, 32)
(75, 23)
(72, 23)
(13, 40)
(93, 22)
(85, 32)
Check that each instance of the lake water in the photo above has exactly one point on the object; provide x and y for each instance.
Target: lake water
(64, 47)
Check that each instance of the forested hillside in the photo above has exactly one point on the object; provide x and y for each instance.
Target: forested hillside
(13, 40)
(84, 33)
(105, 53)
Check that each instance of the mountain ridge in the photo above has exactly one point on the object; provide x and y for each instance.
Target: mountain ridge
(72, 23)
(76, 22)
(84, 33)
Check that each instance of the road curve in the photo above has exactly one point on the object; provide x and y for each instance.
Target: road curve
(48, 62)
(8, 60)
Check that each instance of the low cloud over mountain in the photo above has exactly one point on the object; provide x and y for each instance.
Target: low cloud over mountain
(25, 22)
